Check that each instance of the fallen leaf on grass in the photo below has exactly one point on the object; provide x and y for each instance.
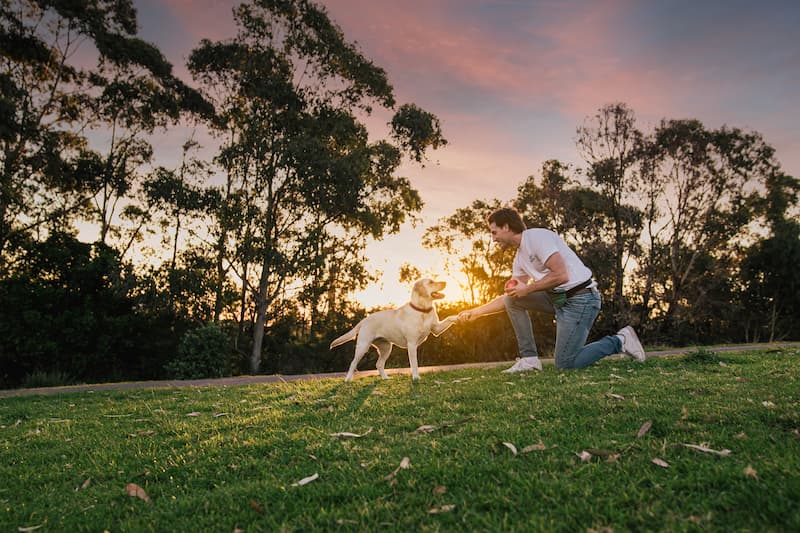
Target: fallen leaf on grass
(86, 483)
(749, 471)
(143, 433)
(254, 505)
(442, 509)
(615, 396)
(708, 450)
(441, 489)
(305, 480)
(511, 447)
(351, 435)
(660, 462)
(644, 429)
(534, 447)
(136, 491)
(584, 456)
(404, 464)
(194, 413)
(768, 404)
(425, 429)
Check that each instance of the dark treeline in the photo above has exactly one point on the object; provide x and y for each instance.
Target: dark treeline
(693, 233)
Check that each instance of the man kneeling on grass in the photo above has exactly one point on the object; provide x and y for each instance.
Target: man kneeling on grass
(549, 277)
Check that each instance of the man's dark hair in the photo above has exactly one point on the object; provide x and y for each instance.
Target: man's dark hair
(505, 216)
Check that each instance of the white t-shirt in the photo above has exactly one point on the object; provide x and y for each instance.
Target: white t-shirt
(536, 247)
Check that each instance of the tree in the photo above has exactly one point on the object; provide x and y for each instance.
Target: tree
(610, 143)
(709, 184)
(49, 100)
(770, 299)
(298, 161)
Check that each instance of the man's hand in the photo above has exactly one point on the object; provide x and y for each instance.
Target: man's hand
(466, 316)
(520, 289)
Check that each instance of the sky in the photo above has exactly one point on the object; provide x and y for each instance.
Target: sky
(512, 80)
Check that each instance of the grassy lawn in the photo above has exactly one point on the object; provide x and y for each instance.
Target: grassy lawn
(222, 459)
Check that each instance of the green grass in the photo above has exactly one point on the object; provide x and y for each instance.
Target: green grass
(233, 465)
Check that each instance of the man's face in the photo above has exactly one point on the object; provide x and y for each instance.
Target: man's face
(502, 235)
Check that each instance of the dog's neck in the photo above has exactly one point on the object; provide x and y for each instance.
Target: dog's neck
(420, 309)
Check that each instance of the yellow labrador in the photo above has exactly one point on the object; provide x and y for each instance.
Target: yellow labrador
(406, 327)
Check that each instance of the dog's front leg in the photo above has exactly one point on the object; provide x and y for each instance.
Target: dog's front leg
(444, 325)
(412, 358)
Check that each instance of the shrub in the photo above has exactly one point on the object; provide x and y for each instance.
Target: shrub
(204, 352)
(46, 378)
(702, 356)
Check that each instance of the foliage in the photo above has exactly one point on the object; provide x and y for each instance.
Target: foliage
(72, 308)
(204, 352)
(611, 144)
(304, 185)
(46, 378)
(51, 176)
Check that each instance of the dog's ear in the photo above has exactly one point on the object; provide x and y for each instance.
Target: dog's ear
(422, 287)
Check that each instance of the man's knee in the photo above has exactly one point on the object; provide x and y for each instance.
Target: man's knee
(511, 303)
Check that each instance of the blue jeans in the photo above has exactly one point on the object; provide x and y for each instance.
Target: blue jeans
(574, 318)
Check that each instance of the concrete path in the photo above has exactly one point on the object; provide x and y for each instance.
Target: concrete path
(247, 380)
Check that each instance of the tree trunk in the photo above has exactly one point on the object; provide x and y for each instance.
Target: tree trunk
(261, 316)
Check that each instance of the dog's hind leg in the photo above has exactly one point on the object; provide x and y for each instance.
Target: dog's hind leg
(384, 351)
(362, 347)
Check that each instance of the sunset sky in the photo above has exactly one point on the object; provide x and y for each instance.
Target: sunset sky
(511, 80)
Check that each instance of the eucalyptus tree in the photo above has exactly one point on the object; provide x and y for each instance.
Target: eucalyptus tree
(610, 143)
(710, 185)
(300, 170)
(51, 95)
(770, 299)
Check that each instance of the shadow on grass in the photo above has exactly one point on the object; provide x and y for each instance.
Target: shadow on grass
(364, 390)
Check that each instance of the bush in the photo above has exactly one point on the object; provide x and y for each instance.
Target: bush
(46, 378)
(702, 356)
(204, 352)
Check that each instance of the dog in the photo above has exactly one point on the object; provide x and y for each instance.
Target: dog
(407, 327)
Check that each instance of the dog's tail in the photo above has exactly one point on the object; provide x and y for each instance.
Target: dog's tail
(350, 335)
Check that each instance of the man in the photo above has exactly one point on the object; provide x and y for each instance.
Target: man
(550, 278)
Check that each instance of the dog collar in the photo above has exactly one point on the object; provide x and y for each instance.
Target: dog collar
(420, 309)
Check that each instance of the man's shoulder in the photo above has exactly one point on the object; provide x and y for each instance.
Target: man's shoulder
(534, 231)
(537, 234)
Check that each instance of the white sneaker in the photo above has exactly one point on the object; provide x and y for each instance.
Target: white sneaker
(631, 346)
(524, 364)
